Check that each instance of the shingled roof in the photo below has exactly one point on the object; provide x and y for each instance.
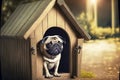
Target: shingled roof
(27, 15)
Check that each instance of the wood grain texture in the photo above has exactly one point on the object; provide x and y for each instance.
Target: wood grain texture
(52, 18)
(39, 32)
(29, 12)
(33, 56)
(60, 20)
(45, 25)
(21, 20)
(15, 59)
(10, 20)
(39, 63)
(40, 18)
(79, 58)
(72, 45)
(15, 20)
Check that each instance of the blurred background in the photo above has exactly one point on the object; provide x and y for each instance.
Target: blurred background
(100, 18)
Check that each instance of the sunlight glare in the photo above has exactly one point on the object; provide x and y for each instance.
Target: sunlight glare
(93, 1)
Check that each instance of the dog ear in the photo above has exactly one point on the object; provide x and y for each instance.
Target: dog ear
(64, 41)
(44, 39)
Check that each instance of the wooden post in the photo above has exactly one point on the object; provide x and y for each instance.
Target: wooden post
(113, 16)
(79, 58)
(92, 13)
(95, 14)
(33, 57)
(89, 11)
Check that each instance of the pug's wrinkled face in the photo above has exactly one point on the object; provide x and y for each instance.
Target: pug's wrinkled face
(53, 44)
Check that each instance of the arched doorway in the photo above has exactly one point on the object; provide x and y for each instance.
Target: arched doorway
(64, 66)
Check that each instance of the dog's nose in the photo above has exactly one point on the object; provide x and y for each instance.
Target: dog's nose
(50, 42)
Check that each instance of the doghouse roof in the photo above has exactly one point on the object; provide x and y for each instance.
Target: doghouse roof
(28, 15)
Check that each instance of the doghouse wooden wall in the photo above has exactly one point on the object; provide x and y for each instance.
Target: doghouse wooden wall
(53, 18)
(15, 59)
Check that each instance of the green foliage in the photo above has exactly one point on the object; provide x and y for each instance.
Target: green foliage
(96, 32)
(8, 7)
(87, 74)
(101, 32)
(82, 19)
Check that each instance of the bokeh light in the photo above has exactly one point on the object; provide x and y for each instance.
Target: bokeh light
(93, 1)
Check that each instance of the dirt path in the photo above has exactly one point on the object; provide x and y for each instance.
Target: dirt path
(102, 57)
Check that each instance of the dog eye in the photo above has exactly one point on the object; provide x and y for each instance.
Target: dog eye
(59, 42)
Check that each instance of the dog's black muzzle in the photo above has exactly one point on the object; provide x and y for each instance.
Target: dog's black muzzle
(54, 49)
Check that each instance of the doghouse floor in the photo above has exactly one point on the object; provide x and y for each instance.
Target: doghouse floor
(64, 76)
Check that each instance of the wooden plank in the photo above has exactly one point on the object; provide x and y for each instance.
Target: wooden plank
(39, 62)
(39, 32)
(32, 35)
(72, 37)
(1, 52)
(71, 33)
(39, 66)
(40, 18)
(38, 36)
(29, 59)
(13, 62)
(33, 58)
(18, 15)
(10, 20)
(79, 58)
(29, 9)
(60, 19)
(64, 76)
(35, 15)
(52, 18)
(9, 26)
(0, 59)
(19, 20)
(27, 15)
(45, 25)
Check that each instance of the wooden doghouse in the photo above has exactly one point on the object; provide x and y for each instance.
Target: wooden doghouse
(29, 23)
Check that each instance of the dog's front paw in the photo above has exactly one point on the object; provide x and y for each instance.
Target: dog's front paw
(49, 76)
(57, 75)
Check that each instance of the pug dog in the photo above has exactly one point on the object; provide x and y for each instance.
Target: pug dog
(51, 48)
